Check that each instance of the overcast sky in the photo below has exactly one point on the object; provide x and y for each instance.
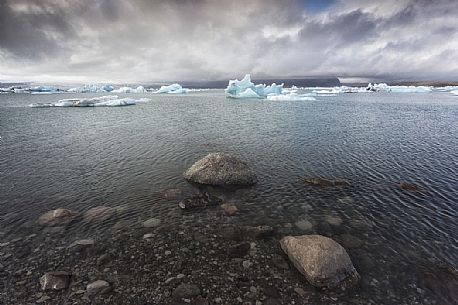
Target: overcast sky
(85, 41)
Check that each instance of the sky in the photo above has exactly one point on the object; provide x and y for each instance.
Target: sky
(128, 41)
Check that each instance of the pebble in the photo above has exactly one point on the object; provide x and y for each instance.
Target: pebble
(98, 287)
(247, 264)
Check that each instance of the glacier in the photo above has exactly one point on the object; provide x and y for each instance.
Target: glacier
(173, 88)
(246, 89)
(102, 101)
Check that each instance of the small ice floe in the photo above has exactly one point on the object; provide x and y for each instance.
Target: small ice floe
(173, 88)
(291, 97)
(454, 92)
(102, 101)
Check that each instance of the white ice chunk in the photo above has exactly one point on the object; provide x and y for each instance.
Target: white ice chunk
(139, 89)
(454, 92)
(173, 88)
(398, 89)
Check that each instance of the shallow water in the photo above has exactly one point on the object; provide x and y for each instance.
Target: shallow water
(125, 157)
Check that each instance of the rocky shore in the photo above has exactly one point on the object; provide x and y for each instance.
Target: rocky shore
(218, 260)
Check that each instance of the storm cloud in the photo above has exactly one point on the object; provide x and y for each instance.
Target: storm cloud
(152, 40)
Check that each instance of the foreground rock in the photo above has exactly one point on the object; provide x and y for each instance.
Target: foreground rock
(99, 214)
(57, 217)
(317, 181)
(324, 262)
(55, 280)
(199, 201)
(185, 291)
(97, 287)
(221, 170)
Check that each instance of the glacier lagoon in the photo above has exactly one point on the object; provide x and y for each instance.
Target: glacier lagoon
(402, 240)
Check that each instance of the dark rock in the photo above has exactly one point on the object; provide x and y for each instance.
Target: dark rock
(324, 262)
(272, 302)
(280, 262)
(222, 170)
(103, 259)
(239, 250)
(185, 291)
(98, 287)
(258, 232)
(317, 181)
(57, 217)
(199, 201)
(55, 280)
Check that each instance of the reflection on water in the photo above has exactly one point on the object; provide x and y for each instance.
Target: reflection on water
(126, 157)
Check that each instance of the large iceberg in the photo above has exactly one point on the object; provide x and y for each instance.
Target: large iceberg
(246, 89)
(92, 88)
(102, 101)
(173, 88)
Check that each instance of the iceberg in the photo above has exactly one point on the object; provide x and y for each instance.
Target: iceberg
(173, 88)
(139, 89)
(291, 97)
(246, 89)
(102, 101)
(92, 88)
(398, 89)
(454, 92)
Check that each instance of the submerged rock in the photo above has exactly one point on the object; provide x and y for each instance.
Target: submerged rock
(442, 280)
(55, 280)
(57, 217)
(221, 170)
(304, 225)
(81, 244)
(199, 201)
(411, 187)
(333, 220)
(99, 214)
(229, 208)
(324, 262)
(349, 241)
(151, 223)
(317, 181)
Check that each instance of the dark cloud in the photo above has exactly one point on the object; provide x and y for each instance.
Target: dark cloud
(146, 40)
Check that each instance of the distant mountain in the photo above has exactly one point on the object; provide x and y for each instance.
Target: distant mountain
(299, 82)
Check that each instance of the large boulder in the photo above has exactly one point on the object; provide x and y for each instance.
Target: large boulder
(324, 262)
(57, 217)
(221, 170)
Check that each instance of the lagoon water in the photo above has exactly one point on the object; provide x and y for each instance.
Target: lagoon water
(123, 157)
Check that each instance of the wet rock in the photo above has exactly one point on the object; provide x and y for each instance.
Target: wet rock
(304, 225)
(57, 217)
(299, 291)
(410, 187)
(349, 241)
(441, 280)
(151, 223)
(239, 250)
(103, 259)
(98, 214)
(323, 262)
(199, 201)
(229, 208)
(81, 244)
(97, 287)
(185, 291)
(55, 280)
(272, 302)
(222, 170)
(321, 182)
(280, 262)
